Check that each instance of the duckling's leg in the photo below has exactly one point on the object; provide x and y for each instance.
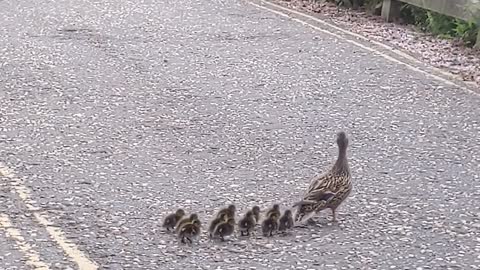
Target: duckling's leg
(221, 238)
(183, 240)
(189, 240)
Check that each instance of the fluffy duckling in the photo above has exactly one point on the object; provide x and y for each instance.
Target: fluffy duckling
(189, 230)
(229, 211)
(247, 223)
(286, 221)
(256, 213)
(274, 211)
(269, 225)
(172, 219)
(225, 228)
(191, 218)
(221, 218)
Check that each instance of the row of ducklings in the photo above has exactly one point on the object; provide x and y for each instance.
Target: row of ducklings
(188, 228)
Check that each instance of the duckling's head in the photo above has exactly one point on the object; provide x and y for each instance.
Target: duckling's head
(180, 212)
(197, 223)
(232, 208)
(256, 210)
(288, 213)
(276, 207)
(223, 216)
(249, 214)
(193, 217)
(272, 218)
(342, 140)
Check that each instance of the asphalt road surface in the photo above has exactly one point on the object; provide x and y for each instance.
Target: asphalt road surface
(116, 112)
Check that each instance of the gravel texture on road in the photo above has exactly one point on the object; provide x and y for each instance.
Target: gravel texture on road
(447, 54)
(115, 113)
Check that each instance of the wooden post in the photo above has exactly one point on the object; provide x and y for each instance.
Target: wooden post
(477, 43)
(391, 10)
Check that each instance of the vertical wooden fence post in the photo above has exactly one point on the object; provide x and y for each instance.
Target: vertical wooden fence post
(391, 10)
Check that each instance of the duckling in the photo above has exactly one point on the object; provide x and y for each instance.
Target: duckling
(286, 221)
(191, 218)
(269, 225)
(330, 189)
(223, 217)
(247, 223)
(225, 228)
(230, 211)
(189, 230)
(256, 213)
(172, 219)
(274, 211)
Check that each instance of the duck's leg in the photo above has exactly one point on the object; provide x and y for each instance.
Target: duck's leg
(334, 214)
(311, 221)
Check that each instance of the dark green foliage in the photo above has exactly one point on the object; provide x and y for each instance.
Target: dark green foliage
(438, 24)
(467, 31)
(414, 15)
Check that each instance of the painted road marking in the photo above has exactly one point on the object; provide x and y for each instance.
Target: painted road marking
(375, 51)
(70, 249)
(31, 255)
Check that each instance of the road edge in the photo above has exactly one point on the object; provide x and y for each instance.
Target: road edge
(378, 48)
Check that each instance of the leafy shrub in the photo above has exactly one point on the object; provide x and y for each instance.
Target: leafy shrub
(440, 25)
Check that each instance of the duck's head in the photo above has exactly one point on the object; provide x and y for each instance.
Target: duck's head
(342, 140)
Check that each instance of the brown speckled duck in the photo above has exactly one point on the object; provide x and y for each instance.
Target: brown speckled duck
(329, 189)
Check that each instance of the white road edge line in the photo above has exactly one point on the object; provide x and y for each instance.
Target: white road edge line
(70, 249)
(386, 56)
(32, 257)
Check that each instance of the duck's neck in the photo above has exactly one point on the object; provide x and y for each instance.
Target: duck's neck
(341, 165)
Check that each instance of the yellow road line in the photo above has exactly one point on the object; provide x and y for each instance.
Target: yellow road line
(70, 249)
(384, 55)
(31, 255)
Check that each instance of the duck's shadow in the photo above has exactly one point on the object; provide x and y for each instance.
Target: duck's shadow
(322, 222)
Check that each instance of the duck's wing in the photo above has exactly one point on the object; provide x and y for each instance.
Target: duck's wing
(322, 182)
(318, 195)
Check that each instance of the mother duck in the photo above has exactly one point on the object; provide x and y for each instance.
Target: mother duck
(328, 190)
